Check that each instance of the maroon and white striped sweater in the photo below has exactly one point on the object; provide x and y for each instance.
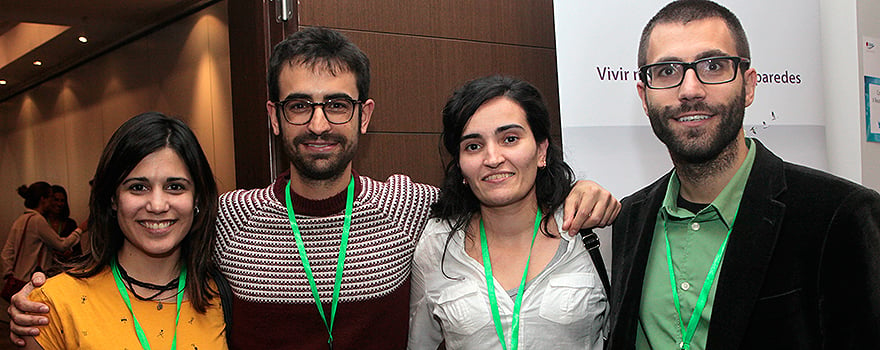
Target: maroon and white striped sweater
(273, 306)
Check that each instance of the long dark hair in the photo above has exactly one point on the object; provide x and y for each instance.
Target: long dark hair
(135, 139)
(34, 193)
(457, 202)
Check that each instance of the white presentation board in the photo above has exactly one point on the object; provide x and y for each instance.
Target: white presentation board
(606, 135)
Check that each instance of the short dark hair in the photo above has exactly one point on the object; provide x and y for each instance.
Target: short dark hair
(34, 193)
(323, 48)
(137, 138)
(457, 203)
(685, 11)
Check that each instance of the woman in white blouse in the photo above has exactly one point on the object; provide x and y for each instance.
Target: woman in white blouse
(493, 270)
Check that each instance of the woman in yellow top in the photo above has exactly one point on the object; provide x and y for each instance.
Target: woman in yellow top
(147, 282)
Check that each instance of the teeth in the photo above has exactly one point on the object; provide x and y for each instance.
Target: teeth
(498, 176)
(156, 225)
(693, 118)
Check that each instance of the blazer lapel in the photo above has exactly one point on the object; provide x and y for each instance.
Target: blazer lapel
(748, 252)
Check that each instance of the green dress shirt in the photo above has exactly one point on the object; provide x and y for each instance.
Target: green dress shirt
(694, 240)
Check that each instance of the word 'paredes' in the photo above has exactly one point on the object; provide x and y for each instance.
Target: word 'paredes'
(779, 78)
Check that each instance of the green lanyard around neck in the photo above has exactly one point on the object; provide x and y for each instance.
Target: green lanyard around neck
(490, 283)
(346, 226)
(688, 333)
(181, 283)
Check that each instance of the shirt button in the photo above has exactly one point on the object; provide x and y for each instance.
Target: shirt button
(685, 286)
(695, 226)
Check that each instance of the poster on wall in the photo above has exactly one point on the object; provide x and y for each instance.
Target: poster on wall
(871, 69)
(606, 135)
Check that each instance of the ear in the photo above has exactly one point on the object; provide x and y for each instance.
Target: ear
(273, 118)
(113, 203)
(542, 152)
(641, 88)
(751, 80)
(366, 114)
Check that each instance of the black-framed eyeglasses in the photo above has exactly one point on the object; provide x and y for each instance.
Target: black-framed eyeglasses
(299, 111)
(711, 70)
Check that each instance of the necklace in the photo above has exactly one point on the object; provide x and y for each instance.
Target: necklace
(142, 338)
(159, 288)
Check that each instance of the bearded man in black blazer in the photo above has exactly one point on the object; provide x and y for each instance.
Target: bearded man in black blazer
(734, 248)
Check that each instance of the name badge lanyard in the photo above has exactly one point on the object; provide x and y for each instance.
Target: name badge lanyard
(181, 283)
(691, 327)
(339, 262)
(490, 283)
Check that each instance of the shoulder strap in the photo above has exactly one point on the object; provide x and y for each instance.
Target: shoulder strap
(20, 242)
(225, 297)
(591, 242)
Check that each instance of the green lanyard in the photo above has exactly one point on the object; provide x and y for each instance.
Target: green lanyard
(688, 333)
(490, 283)
(137, 326)
(339, 262)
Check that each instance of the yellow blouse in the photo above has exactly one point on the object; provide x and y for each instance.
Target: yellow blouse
(90, 314)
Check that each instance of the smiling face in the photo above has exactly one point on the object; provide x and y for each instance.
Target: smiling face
(154, 205)
(696, 121)
(498, 154)
(319, 150)
(59, 201)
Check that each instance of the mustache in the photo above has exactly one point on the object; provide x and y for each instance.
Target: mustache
(324, 137)
(686, 107)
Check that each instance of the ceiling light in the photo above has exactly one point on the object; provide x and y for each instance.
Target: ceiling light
(2, 81)
(38, 63)
(83, 39)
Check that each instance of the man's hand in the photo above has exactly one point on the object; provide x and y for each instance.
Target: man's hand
(587, 206)
(21, 322)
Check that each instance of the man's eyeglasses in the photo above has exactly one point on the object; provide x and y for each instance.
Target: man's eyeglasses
(299, 111)
(712, 70)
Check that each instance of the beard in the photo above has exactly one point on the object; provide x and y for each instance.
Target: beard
(701, 144)
(320, 166)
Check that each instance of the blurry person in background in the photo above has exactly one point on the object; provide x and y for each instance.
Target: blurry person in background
(59, 218)
(31, 239)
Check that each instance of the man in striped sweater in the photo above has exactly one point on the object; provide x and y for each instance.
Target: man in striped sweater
(280, 246)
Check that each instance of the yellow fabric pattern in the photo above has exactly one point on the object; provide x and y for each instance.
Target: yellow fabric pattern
(90, 314)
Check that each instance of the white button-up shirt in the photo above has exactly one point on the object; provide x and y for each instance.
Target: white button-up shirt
(562, 308)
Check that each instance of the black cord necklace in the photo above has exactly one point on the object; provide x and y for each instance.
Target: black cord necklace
(161, 289)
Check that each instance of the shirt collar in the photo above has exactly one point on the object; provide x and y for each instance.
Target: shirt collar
(726, 203)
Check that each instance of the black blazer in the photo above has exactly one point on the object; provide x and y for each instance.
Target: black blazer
(801, 271)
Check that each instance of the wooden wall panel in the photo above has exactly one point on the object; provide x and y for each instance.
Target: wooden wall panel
(520, 22)
(414, 76)
(416, 155)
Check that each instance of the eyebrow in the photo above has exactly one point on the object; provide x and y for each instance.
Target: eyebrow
(144, 179)
(498, 130)
(701, 55)
(309, 97)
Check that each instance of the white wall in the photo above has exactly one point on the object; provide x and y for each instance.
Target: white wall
(841, 72)
(868, 25)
